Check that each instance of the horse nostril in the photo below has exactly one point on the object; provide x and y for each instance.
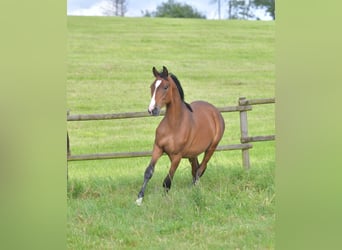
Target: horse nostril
(155, 111)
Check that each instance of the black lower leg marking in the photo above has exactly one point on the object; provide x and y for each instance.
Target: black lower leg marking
(149, 172)
(167, 183)
(147, 176)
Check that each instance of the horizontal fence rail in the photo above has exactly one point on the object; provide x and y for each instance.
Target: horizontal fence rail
(92, 117)
(257, 138)
(144, 153)
(243, 101)
(244, 105)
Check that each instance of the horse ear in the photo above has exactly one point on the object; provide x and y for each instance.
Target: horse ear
(155, 72)
(165, 71)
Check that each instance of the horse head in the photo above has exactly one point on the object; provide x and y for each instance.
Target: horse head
(160, 91)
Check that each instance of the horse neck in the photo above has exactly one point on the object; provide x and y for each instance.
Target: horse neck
(176, 109)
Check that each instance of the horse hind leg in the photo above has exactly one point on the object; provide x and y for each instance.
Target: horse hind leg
(194, 165)
(207, 155)
(220, 127)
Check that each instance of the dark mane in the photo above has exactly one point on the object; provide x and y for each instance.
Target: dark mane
(180, 89)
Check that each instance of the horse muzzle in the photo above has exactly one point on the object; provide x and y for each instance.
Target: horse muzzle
(155, 111)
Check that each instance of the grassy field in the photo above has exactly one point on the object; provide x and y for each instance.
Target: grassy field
(110, 64)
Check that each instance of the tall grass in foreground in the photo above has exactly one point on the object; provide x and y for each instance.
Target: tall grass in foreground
(109, 70)
(230, 208)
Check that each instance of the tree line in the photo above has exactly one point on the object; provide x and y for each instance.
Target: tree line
(235, 9)
(245, 9)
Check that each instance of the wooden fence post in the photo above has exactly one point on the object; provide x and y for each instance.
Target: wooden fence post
(244, 134)
(68, 150)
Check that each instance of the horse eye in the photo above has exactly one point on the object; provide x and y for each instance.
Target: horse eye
(166, 87)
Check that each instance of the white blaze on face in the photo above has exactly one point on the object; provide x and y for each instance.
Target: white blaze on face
(153, 99)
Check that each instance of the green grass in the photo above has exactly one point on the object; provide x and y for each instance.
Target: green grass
(110, 64)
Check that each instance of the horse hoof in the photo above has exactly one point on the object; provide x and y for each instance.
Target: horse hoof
(139, 201)
(196, 182)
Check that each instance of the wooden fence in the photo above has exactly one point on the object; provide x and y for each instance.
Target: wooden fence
(244, 105)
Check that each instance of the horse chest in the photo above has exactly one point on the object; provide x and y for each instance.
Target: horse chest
(171, 142)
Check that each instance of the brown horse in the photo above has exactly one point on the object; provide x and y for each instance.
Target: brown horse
(185, 131)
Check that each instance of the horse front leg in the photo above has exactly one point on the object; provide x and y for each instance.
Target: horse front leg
(157, 152)
(174, 165)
